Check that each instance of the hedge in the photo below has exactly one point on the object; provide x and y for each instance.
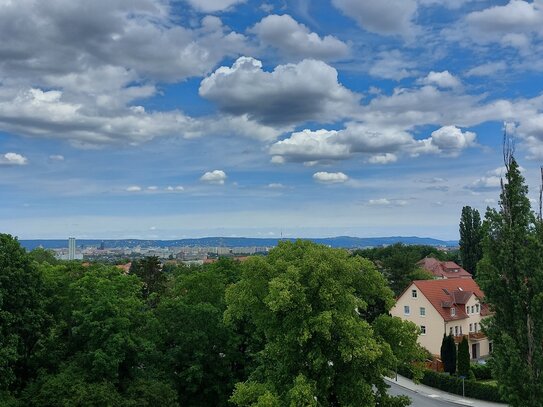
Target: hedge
(453, 384)
(481, 372)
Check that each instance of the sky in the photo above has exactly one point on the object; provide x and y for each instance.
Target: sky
(159, 119)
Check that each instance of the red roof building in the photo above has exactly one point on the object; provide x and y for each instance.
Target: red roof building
(443, 269)
(446, 306)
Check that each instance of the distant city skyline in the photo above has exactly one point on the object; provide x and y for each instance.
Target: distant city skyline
(164, 119)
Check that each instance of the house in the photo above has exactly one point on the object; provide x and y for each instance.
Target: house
(443, 269)
(446, 306)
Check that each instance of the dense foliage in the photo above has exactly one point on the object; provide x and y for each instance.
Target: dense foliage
(304, 322)
(511, 275)
(471, 234)
(398, 263)
(448, 354)
(463, 358)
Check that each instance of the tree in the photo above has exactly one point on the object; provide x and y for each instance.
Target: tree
(511, 276)
(22, 314)
(311, 306)
(463, 358)
(149, 270)
(470, 238)
(448, 354)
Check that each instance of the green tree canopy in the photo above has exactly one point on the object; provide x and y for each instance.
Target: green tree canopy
(22, 314)
(463, 358)
(470, 238)
(511, 276)
(323, 343)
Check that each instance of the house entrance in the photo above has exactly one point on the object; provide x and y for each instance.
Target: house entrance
(474, 353)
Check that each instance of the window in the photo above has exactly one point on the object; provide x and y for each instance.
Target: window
(453, 312)
(477, 308)
(471, 327)
(414, 293)
(406, 310)
(467, 309)
(423, 329)
(456, 331)
(422, 311)
(450, 330)
(472, 309)
(475, 326)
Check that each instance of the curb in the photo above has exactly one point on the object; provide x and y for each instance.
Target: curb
(452, 401)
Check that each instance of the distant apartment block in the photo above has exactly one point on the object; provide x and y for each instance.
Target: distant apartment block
(443, 269)
(71, 248)
(446, 306)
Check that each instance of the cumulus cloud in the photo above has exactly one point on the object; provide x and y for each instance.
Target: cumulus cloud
(310, 145)
(211, 6)
(296, 41)
(13, 159)
(442, 79)
(447, 140)
(385, 17)
(392, 65)
(330, 177)
(490, 181)
(381, 146)
(514, 24)
(291, 94)
(386, 158)
(133, 188)
(214, 177)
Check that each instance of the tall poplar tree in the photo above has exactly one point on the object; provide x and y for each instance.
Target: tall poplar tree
(511, 275)
(463, 357)
(470, 238)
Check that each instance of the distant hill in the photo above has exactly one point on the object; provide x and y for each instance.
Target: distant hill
(340, 241)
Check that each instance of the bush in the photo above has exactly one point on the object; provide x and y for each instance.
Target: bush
(453, 384)
(481, 372)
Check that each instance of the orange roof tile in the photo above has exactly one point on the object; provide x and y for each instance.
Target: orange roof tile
(447, 293)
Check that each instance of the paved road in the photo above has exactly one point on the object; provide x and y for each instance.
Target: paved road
(418, 400)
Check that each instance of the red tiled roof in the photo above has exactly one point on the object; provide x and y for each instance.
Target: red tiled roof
(443, 269)
(447, 293)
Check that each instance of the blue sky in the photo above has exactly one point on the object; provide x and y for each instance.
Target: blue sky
(187, 118)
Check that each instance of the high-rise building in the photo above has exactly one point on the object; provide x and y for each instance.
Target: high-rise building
(71, 248)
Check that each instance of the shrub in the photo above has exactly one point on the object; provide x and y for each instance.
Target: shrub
(481, 372)
(453, 384)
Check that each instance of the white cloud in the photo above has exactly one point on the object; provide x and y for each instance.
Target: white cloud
(276, 185)
(56, 157)
(514, 24)
(447, 140)
(442, 79)
(383, 158)
(330, 177)
(307, 145)
(291, 94)
(488, 69)
(392, 65)
(387, 202)
(152, 188)
(179, 188)
(210, 6)
(385, 17)
(295, 41)
(13, 159)
(214, 177)
(133, 188)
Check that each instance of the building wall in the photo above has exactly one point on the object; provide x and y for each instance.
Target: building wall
(435, 326)
(434, 323)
